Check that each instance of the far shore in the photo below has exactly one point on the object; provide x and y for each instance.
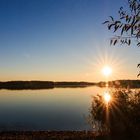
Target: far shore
(19, 85)
(48, 135)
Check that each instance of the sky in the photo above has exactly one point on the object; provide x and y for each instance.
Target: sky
(62, 40)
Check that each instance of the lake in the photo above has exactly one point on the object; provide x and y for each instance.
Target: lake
(50, 109)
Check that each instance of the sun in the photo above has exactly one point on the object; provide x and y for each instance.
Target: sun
(107, 71)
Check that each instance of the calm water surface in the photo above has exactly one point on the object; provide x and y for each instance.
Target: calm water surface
(53, 109)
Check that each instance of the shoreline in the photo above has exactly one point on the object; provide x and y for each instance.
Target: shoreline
(33, 85)
(42, 135)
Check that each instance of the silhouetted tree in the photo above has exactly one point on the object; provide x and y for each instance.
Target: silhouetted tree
(120, 118)
(127, 26)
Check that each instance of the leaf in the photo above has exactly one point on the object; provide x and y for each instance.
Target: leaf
(115, 42)
(129, 19)
(133, 21)
(138, 13)
(109, 26)
(138, 44)
(138, 65)
(138, 34)
(122, 30)
(129, 42)
(132, 31)
(126, 41)
(128, 27)
(105, 22)
(116, 27)
(111, 41)
(121, 25)
(122, 41)
(122, 17)
(111, 18)
(117, 22)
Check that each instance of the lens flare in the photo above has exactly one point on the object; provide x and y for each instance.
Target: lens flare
(107, 97)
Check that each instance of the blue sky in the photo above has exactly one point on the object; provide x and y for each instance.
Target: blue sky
(61, 40)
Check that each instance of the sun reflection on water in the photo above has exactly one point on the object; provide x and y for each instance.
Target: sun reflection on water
(107, 97)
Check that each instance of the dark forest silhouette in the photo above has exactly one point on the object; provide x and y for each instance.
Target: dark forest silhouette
(17, 85)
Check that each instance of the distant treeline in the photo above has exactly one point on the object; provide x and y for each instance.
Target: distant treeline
(50, 84)
(26, 85)
(73, 84)
(41, 84)
(121, 84)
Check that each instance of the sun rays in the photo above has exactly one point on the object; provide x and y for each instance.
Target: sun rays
(112, 63)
